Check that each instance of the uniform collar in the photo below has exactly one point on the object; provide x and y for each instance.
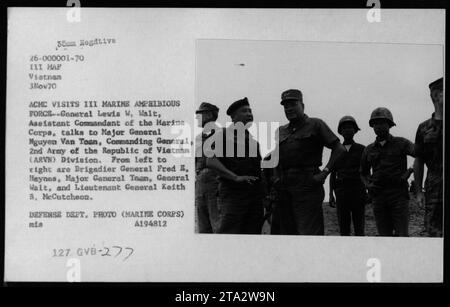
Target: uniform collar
(388, 139)
(298, 123)
(348, 143)
(434, 120)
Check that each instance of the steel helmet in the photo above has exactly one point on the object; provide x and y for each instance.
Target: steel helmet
(381, 113)
(347, 119)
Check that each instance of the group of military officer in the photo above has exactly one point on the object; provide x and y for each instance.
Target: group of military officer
(233, 192)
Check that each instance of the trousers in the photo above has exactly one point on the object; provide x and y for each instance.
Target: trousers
(434, 205)
(240, 211)
(350, 205)
(300, 208)
(206, 190)
(391, 211)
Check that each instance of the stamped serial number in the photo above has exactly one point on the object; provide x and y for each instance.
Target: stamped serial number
(150, 223)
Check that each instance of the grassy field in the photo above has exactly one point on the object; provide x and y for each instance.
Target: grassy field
(416, 215)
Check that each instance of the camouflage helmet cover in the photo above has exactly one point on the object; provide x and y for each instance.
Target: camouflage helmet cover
(347, 119)
(381, 113)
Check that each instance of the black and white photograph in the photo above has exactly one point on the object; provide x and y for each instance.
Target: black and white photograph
(359, 143)
(225, 145)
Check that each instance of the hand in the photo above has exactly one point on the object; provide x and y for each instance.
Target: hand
(276, 182)
(267, 204)
(420, 197)
(372, 188)
(407, 174)
(332, 201)
(246, 179)
(320, 177)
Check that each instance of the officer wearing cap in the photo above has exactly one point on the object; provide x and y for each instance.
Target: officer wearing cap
(238, 163)
(206, 182)
(429, 152)
(346, 182)
(301, 144)
(384, 173)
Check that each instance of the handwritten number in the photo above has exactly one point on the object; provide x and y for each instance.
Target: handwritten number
(131, 252)
(107, 252)
(120, 250)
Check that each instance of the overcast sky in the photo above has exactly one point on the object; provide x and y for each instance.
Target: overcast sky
(336, 79)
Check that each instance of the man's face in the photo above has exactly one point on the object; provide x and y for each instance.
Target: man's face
(293, 109)
(437, 97)
(348, 130)
(381, 127)
(243, 114)
(203, 118)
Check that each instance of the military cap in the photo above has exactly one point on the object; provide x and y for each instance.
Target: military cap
(381, 113)
(236, 105)
(347, 119)
(291, 95)
(437, 85)
(205, 107)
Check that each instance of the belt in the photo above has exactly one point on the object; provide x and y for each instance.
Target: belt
(296, 175)
(391, 184)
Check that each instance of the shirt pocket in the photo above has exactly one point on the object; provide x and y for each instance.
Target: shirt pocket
(393, 156)
(373, 157)
(431, 137)
(307, 140)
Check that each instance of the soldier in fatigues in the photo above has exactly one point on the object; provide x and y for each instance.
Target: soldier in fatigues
(387, 185)
(239, 167)
(301, 144)
(206, 181)
(345, 181)
(429, 151)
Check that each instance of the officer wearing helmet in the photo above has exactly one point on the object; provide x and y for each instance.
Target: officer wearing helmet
(206, 182)
(384, 173)
(429, 151)
(301, 143)
(346, 183)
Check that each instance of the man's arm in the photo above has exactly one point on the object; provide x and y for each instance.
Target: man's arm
(419, 166)
(224, 172)
(364, 169)
(331, 141)
(418, 179)
(331, 199)
(337, 150)
(409, 148)
(407, 174)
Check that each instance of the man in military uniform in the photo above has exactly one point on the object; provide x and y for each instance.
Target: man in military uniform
(387, 185)
(346, 182)
(271, 199)
(429, 151)
(239, 168)
(301, 144)
(206, 182)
